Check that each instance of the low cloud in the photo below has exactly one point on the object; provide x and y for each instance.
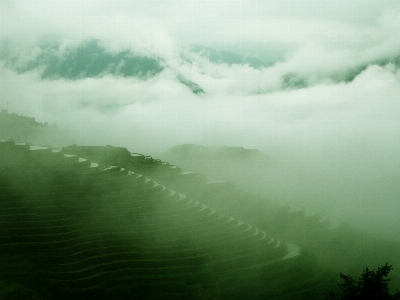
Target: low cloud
(327, 113)
(227, 114)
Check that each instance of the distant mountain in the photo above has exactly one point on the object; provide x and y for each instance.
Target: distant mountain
(89, 59)
(236, 164)
(28, 130)
(192, 151)
(229, 58)
(194, 87)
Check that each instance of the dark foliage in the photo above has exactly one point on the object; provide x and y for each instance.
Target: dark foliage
(371, 285)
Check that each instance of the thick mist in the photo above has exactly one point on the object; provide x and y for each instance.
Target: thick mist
(326, 112)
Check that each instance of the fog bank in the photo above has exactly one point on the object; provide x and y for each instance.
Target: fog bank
(326, 109)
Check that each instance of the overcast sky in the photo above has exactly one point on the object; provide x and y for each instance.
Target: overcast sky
(164, 25)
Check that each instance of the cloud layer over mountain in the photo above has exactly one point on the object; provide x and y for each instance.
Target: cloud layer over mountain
(316, 84)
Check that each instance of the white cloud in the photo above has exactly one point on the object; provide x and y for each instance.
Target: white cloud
(340, 131)
(157, 26)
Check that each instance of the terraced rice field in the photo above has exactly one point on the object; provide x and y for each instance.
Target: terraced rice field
(72, 228)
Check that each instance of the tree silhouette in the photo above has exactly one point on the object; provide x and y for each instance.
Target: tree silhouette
(371, 285)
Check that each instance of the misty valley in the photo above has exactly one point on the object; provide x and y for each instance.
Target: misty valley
(101, 222)
(236, 149)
